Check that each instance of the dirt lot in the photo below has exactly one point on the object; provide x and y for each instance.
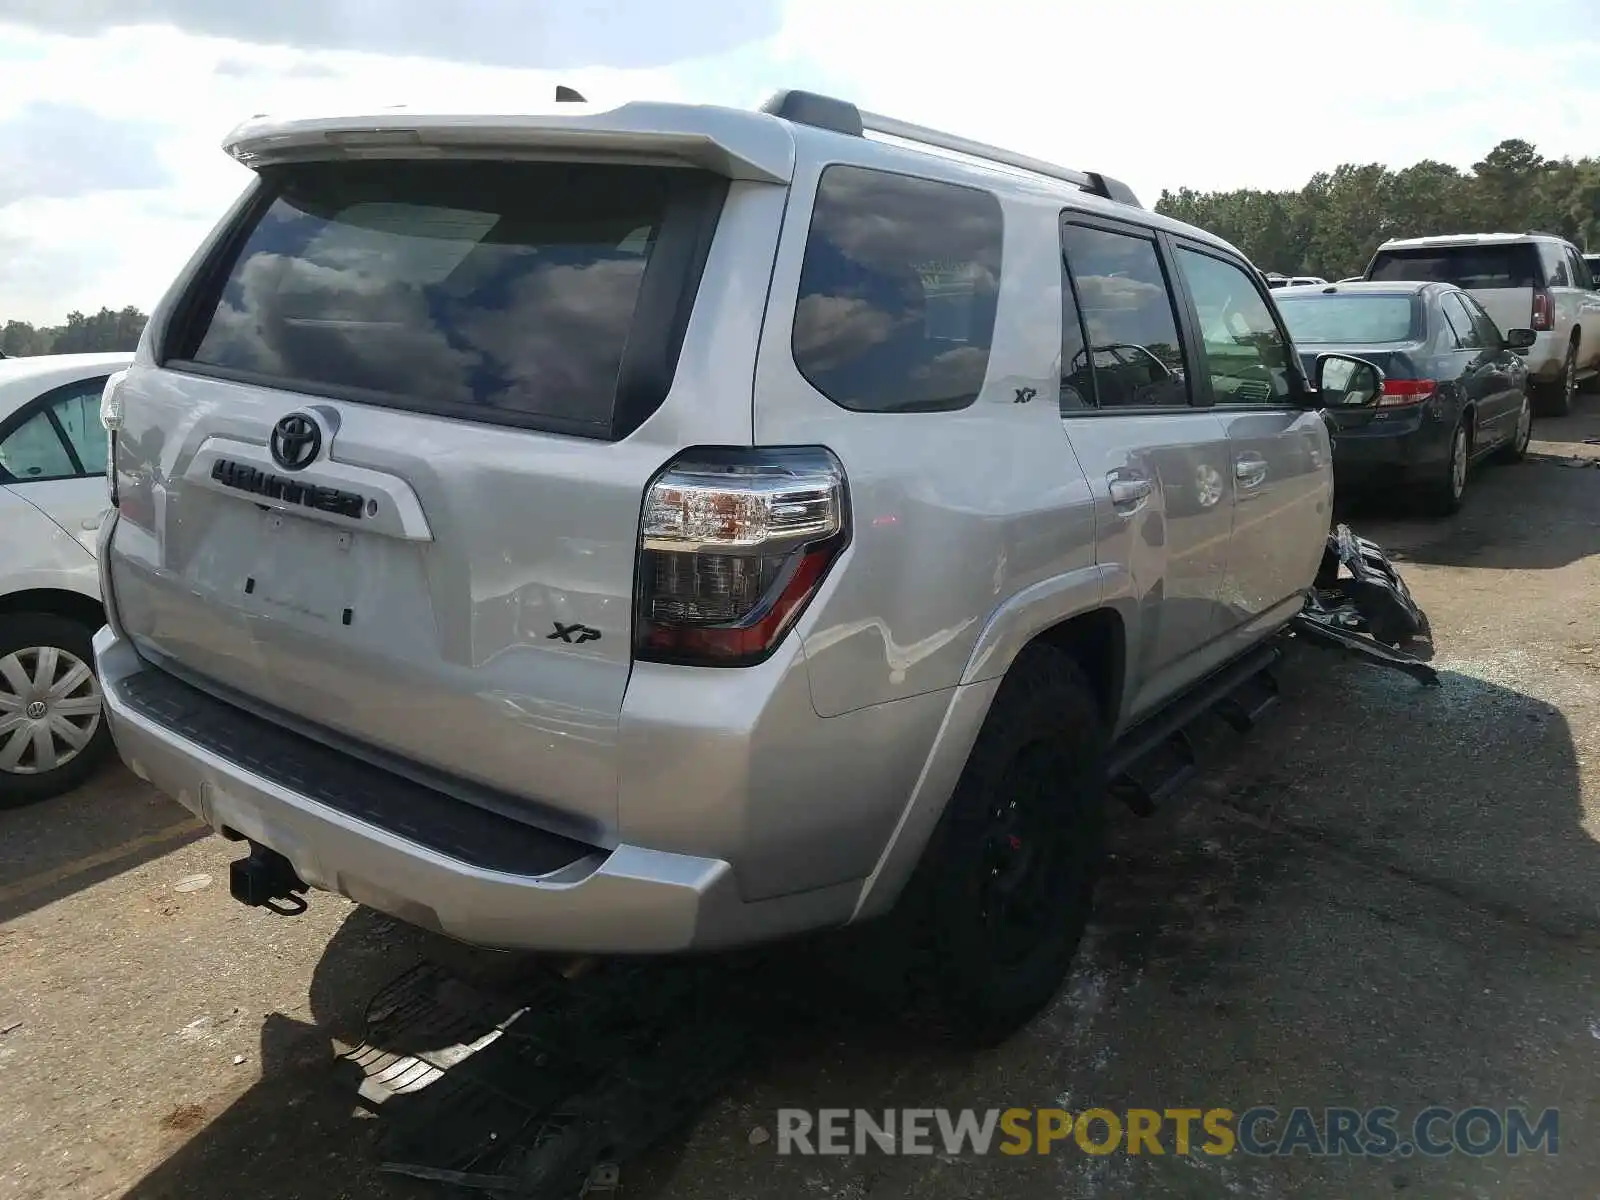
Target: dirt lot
(1386, 896)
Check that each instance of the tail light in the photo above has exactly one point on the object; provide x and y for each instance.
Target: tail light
(1398, 393)
(733, 545)
(1544, 312)
(111, 418)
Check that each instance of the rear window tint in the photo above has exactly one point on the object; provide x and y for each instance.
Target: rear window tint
(898, 289)
(1330, 320)
(1481, 267)
(486, 290)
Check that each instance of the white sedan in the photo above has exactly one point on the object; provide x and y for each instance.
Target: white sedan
(52, 500)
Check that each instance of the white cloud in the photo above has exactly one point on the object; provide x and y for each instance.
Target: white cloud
(516, 33)
(1161, 93)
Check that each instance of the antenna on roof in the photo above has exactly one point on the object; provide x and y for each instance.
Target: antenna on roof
(566, 95)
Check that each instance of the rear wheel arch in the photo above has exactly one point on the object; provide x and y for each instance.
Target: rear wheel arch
(1097, 641)
(55, 602)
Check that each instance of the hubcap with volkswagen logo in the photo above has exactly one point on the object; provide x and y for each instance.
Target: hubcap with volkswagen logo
(296, 441)
(49, 709)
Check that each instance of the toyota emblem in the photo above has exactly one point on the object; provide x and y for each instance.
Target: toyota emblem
(296, 441)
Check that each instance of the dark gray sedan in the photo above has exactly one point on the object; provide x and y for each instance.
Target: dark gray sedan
(1454, 388)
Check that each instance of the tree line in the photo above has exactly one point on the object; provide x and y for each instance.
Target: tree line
(104, 331)
(1331, 226)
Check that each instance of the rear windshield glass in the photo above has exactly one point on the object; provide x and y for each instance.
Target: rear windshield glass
(1330, 319)
(1480, 267)
(487, 290)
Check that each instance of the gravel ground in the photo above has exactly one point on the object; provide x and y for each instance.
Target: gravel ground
(1386, 896)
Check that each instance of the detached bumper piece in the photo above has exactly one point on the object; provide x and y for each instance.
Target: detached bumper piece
(1359, 604)
(541, 1087)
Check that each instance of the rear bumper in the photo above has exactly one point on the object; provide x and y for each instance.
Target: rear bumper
(627, 899)
(1547, 357)
(1392, 449)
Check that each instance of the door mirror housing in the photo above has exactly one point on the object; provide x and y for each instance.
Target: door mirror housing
(1344, 381)
(1520, 340)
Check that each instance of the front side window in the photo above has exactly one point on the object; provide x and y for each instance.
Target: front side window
(1580, 270)
(504, 292)
(1247, 356)
(1134, 355)
(898, 291)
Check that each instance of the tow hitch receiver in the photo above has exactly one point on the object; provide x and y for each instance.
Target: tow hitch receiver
(266, 879)
(1359, 604)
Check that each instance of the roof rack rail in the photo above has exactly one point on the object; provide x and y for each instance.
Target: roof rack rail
(841, 116)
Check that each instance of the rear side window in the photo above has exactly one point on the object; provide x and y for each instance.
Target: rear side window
(898, 290)
(495, 291)
(60, 438)
(1488, 333)
(1468, 335)
(1134, 358)
(1482, 267)
(1557, 270)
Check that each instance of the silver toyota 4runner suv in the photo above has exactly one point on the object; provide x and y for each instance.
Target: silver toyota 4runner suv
(671, 527)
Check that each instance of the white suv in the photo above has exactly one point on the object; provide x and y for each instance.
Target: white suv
(1537, 280)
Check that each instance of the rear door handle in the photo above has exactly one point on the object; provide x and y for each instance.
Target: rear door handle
(1129, 490)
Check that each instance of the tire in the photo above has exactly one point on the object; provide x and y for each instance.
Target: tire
(29, 642)
(1517, 448)
(1004, 890)
(1443, 494)
(1557, 396)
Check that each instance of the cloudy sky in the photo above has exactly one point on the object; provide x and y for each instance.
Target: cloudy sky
(112, 111)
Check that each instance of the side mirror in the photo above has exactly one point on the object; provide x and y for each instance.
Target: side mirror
(1520, 339)
(1343, 381)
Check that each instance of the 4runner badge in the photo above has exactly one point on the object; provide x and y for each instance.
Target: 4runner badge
(575, 635)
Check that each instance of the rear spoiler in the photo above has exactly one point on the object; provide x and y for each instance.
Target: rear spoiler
(733, 144)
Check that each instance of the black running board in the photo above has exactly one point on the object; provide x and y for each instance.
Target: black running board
(1227, 692)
